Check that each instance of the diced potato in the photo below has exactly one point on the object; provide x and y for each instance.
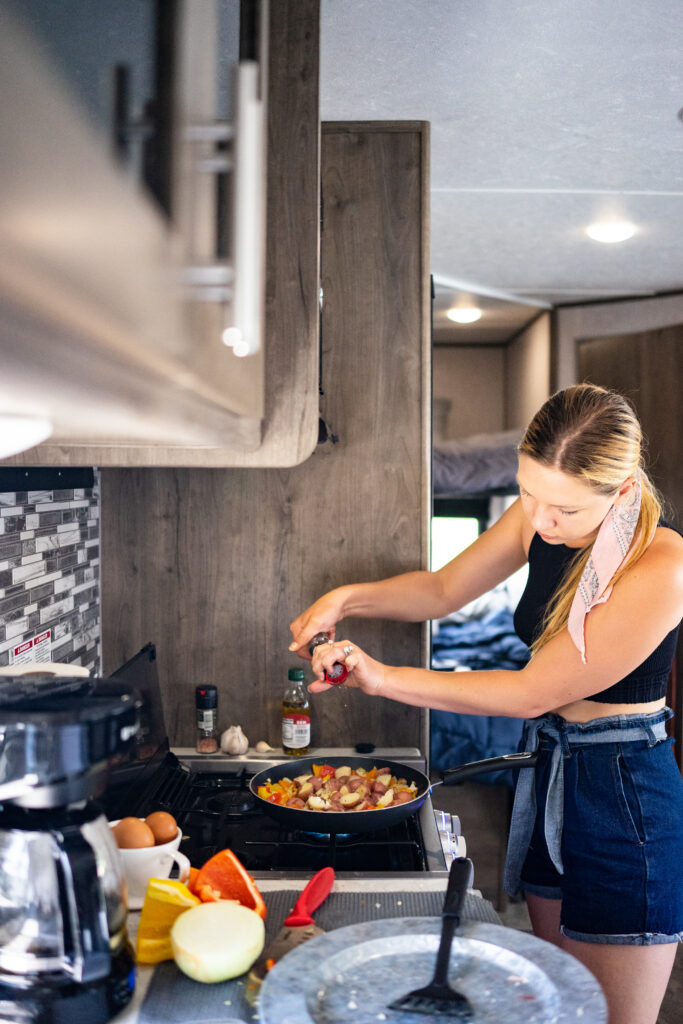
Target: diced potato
(348, 789)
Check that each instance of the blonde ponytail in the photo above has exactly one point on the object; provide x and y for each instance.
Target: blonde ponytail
(594, 434)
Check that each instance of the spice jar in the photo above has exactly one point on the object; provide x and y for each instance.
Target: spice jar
(206, 703)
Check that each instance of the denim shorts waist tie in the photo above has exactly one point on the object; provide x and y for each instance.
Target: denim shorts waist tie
(562, 733)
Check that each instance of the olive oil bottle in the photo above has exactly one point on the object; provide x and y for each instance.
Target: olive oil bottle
(296, 715)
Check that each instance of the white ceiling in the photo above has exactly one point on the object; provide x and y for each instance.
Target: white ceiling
(545, 116)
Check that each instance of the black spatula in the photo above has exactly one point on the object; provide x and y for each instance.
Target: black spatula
(438, 998)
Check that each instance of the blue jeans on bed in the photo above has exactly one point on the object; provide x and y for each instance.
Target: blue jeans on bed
(607, 834)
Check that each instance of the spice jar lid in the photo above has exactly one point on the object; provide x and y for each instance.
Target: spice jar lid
(296, 674)
(206, 697)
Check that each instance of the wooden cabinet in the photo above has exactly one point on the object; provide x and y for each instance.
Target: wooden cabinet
(213, 564)
(139, 372)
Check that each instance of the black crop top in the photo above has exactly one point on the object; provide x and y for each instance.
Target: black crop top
(547, 563)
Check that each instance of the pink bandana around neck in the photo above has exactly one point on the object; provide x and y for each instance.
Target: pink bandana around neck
(610, 550)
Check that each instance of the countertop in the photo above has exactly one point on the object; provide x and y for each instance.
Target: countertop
(416, 884)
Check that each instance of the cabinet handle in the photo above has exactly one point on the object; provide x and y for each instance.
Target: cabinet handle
(244, 327)
(239, 284)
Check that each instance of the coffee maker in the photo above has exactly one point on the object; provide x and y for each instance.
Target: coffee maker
(65, 957)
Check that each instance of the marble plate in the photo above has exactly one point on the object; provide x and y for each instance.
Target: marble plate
(351, 975)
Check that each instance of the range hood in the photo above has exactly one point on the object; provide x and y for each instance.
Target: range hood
(112, 315)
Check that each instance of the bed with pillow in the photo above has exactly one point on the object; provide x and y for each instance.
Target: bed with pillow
(476, 465)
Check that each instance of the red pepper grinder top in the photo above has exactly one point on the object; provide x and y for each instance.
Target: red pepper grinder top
(339, 672)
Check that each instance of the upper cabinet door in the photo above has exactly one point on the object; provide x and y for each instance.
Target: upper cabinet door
(145, 178)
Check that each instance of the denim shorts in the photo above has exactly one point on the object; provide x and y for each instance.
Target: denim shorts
(621, 839)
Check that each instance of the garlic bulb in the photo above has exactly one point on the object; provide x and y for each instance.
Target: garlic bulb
(233, 741)
(262, 747)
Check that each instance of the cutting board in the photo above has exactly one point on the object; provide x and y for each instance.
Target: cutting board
(172, 998)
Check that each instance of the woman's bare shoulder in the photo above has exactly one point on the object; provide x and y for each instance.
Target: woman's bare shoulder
(664, 557)
(668, 534)
(667, 542)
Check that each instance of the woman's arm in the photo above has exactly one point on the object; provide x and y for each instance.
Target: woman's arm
(418, 596)
(645, 605)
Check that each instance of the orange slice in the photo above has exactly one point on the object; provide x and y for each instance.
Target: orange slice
(224, 877)
(165, 900)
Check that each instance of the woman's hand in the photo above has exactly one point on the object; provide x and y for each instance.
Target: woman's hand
(322, 617)
(364, 672)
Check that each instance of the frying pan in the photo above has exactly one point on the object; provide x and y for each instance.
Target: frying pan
(340, 821)
(368, 821)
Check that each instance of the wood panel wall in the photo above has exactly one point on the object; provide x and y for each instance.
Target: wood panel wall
(647, 367)
(213, 564)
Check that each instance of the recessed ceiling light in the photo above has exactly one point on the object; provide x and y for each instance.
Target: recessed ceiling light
(611, 231)
(464, 314)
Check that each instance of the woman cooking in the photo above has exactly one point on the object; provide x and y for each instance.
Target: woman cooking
(596, 837)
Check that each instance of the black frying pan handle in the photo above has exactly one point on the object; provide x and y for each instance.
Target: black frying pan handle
(452, 776)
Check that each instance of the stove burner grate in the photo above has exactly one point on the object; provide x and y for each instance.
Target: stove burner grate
(231, 801)
(388, 850)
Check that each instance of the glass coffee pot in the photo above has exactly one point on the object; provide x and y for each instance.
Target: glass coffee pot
(65, 957)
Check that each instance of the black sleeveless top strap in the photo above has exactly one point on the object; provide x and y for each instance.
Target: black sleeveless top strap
(547, 565)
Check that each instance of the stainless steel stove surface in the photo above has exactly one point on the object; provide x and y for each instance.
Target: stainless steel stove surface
(210, 798)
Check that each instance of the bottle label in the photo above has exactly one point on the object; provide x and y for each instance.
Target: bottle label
(206, 719)
(296, 731)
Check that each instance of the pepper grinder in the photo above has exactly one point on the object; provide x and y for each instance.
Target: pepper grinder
(339, 672)
(206, 704)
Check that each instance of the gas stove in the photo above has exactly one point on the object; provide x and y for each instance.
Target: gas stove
(219, 810)
(209, 796)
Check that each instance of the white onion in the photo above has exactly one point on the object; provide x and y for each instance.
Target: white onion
(216, 941)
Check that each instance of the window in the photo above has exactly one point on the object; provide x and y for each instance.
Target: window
(450, 536)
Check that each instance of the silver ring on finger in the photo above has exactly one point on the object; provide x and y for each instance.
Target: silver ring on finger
(348, 649)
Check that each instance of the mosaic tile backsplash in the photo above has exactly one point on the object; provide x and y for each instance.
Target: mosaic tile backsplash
(50, 576)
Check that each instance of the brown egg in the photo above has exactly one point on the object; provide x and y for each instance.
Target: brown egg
(163, 825)
(133, 834)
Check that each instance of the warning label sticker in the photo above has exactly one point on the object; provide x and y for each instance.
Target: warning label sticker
(36, 649)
